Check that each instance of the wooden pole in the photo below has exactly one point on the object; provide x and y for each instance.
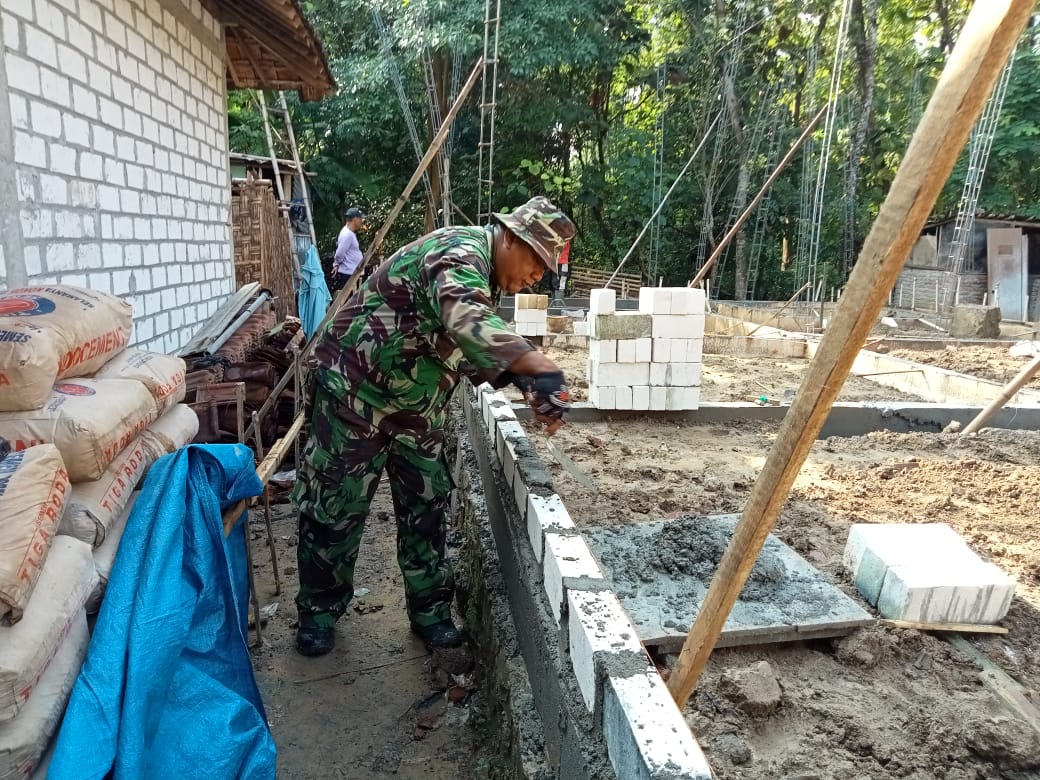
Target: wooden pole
(756, 200)
(776, 313)
(986, 41)
(1009, 390)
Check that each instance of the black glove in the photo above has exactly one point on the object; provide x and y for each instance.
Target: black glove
(548, 394)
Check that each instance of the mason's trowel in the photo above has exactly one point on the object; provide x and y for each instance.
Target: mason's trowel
(570, 466)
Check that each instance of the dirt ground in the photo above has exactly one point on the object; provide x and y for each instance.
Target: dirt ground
(993, 363)
(379, 706)
(882, 702)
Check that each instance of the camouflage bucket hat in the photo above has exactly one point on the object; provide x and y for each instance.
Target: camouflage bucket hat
(542, 226)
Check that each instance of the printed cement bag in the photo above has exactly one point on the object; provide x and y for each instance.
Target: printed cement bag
(163, 375)
(94, 506)
(28, 646)
(175, 429)
(33, 490)
(105, 555)
(24, 739)
(49, 333)
(90, 421)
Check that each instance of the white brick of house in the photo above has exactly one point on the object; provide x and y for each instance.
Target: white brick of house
(113, 156)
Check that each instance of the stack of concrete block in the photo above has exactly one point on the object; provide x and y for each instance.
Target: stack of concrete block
(648, 359)
(531, 315)
(925, 573)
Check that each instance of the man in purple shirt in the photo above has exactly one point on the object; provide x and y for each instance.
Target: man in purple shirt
(348, 252)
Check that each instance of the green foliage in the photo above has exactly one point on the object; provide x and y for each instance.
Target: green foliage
(587, 90)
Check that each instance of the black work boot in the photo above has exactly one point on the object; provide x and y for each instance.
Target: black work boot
(439, 635)
(316, 634)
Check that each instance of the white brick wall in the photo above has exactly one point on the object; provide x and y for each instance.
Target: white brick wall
(119, 136)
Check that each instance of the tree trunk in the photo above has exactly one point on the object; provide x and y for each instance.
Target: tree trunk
(863, 31)
(740, 242)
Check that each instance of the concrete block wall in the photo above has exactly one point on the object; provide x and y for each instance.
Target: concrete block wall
(531, 315)
(648, 359)
(645, 733)
(116, 143)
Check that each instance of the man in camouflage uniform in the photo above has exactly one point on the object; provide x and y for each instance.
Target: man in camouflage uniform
(387, 365)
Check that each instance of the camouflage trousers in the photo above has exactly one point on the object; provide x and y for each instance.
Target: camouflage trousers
(349, 447)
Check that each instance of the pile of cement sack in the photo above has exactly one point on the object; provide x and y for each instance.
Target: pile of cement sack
(82, 418)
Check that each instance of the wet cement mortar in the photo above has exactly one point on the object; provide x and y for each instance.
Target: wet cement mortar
(881, 702)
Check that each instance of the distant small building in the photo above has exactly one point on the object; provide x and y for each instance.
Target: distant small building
(1001, 266)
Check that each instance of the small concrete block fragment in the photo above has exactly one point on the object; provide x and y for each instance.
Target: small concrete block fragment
(644, 350)
(661, 350)
(655, 300)
(626, 351)
(622, 325)
(596, 625)
(565, 556)
(545, 514)
(658, 399)
(946, 592)
(874, 548)
(602, 302)
(641, 398)
(623, 397)
(604, 351)
(645, 732)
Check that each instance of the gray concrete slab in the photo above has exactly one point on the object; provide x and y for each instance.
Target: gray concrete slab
(661, 571)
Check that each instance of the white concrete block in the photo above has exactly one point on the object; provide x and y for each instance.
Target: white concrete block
(683, 375)
(645, 732)
(682, 398)
(581, 328)
(688, 300)
(545, 514)
(644, 350)
(641, 398)
(658, 399)
(658, 374)
(606, 397)
(602, 302)
(678, 326)
(872, 549)
(686, 350)
(626, 351)
(565, 556)
(597, 625)
(623, 397)
(617, 374)
(946, 592)
(505, 430)
(655, 300)
(603, 350)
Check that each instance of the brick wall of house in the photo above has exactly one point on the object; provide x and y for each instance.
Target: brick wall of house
(114, 132)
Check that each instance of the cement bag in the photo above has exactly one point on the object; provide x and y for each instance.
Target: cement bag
(90, 421)
(24, 739)
(49, 333)
(33, 491)
(94, 506)
(163, 375)
(26, 648)
(175, 429)
(105, 555)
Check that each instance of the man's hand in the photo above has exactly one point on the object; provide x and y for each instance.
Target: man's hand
(548, 395)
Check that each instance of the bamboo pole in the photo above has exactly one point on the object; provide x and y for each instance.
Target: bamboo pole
(757, 199)
(1005, 395)
(986, 41)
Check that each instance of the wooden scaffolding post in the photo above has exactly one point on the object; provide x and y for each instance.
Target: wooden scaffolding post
(987, 40)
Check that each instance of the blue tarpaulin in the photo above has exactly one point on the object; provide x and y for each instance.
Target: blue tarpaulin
(167, 689)
(314, 293)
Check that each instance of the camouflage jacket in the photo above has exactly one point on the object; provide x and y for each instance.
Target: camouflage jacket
(401, 341)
